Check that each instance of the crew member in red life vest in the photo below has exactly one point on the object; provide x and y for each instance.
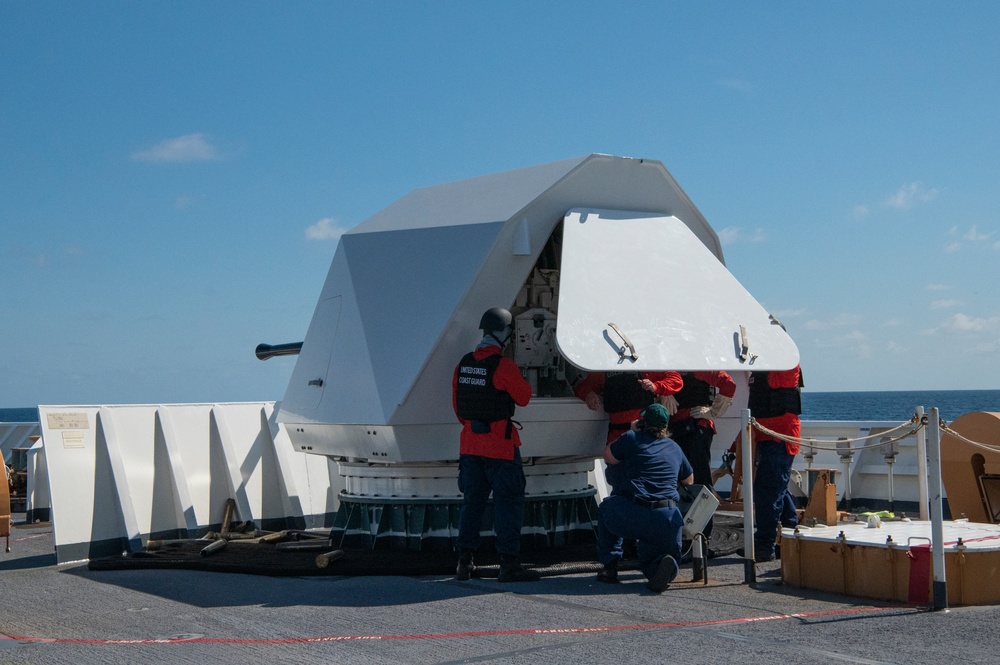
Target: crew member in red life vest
(486, 387)
(705, 396)
(623, 395)
(693, 426)
(775, 403)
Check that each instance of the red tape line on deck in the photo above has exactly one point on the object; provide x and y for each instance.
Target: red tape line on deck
(37, 535)
(445, 636)
(981, 539)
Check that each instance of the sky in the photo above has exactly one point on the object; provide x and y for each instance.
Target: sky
(174, 175)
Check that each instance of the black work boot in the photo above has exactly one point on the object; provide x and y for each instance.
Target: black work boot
(762, 553)
(465, 566)
(512, 571)
(665, 573)
(610, 573)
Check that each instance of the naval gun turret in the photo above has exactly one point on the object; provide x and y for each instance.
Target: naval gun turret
(605, 264)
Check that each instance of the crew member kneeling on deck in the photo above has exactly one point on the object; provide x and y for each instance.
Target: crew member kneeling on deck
(644, 505)
(623, 396)
(486, 388)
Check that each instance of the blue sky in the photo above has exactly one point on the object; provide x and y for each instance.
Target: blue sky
(173, 175)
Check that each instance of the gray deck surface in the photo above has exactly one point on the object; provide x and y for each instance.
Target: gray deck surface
(69, 614)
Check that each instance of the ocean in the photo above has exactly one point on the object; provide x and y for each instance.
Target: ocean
(896, 405)
(25, 415)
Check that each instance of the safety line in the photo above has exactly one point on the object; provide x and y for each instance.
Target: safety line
(985, 446)
(445, 636)
(832, 444)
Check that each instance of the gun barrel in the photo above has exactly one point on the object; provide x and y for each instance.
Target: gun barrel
(265, 351)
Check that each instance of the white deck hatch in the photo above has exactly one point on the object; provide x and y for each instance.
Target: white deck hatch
(667, 294)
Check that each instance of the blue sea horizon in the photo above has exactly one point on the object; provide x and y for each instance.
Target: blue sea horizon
(895, 404)
(888, 405)
(19, 415)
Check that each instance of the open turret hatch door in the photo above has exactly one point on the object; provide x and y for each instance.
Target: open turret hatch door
(640, 291)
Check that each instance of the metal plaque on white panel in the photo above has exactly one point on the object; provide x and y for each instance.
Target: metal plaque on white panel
(639, 291)
(72, 439)
(60, 420)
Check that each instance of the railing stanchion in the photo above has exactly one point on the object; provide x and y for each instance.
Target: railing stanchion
(924, 495)
(749, 570)
(939, 587)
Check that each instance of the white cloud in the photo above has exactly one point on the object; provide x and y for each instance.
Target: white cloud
(839, 321)
(732, 235)
(892, 323)
(945, 304)
(729, 235)
(909, 195)
(187, 148)
(935, 286)
(853, 342)
(325, 229)
(847, 320)
(973, 235)
(964, 324)
(860, 211)
(991, 346)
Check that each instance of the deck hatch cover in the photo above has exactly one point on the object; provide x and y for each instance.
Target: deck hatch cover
(665, 291)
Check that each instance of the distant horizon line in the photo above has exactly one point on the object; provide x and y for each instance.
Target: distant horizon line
(805, 391)
(910, 390)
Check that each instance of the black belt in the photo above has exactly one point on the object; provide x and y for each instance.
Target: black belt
(619, 427)
(660, 503)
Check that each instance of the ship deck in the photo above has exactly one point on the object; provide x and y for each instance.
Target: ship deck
(71, 614)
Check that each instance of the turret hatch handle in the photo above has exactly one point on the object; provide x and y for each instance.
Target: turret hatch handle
(628, 344)
(743, 340)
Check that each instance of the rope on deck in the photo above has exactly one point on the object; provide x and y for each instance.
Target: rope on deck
(838, 444)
